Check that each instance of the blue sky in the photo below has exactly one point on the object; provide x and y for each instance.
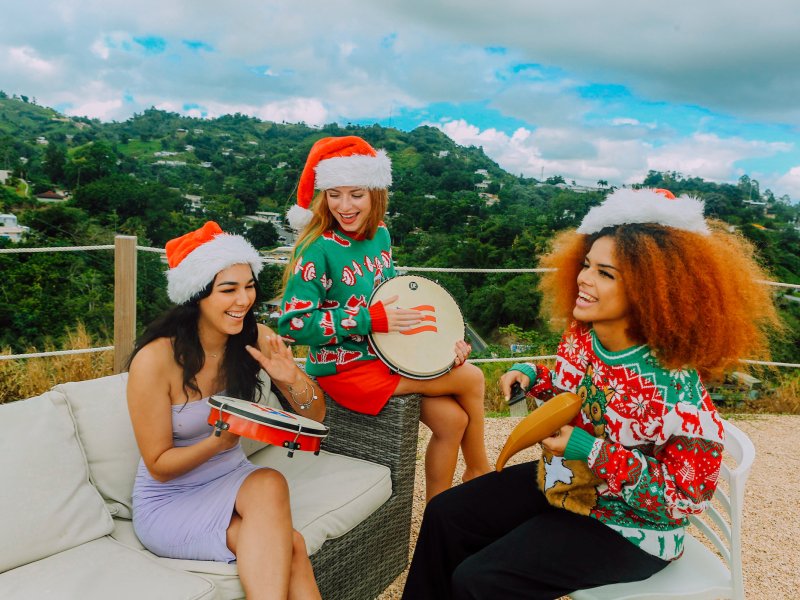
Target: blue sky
(584, 89)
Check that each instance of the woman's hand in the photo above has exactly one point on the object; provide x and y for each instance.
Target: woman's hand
(462, 351)
(508, 379)
(400, 319)
(279, 363)
(557, 443)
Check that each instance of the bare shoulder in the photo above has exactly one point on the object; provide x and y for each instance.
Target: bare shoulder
(154, 362)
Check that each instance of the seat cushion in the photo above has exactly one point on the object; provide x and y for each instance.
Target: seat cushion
(100, 570)
(100, 410)
(330, 494)
(46, 500)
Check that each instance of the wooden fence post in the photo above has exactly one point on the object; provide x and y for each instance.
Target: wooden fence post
(124, 299)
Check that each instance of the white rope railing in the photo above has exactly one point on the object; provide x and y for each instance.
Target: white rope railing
(271, 260)
(55, 353)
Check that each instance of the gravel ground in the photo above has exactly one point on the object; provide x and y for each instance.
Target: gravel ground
(771, 549)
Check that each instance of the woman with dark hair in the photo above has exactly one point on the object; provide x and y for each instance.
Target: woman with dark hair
(196, 496)
(653, 299)
(342, 253)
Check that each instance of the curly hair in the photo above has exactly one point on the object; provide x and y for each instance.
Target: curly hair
(695, 299)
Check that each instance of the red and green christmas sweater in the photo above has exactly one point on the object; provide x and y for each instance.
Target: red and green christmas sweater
(325, 301)
(647, 445)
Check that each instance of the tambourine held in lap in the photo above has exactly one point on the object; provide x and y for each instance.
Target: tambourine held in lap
(265, 424)
(426, 350)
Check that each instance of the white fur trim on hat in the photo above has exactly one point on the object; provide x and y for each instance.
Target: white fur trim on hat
(203, 263)
(372, 172)
(298, 217)
(645, 206)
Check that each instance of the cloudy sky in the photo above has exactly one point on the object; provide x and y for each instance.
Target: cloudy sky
(586, 89)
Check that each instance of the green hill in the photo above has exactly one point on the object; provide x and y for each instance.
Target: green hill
(451, 206)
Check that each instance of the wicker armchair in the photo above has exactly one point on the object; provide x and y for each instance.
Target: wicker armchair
(361, 564)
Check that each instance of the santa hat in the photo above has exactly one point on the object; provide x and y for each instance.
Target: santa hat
(646, 206)
(334, 162)
(195, 259)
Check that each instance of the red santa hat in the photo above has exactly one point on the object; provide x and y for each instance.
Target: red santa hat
(646, 206)
(195, 259)
(334, 162)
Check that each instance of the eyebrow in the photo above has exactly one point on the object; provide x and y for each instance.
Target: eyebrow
(234, 282)
(602, 265)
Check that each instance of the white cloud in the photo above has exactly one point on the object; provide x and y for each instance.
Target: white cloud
(788, 183)
(25, 58)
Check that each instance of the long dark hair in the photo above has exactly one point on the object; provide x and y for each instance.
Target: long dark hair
(238, 369)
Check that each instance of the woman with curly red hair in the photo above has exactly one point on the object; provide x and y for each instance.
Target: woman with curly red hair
(653, 298)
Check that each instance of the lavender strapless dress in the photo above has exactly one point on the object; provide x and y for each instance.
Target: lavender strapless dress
(187, 517)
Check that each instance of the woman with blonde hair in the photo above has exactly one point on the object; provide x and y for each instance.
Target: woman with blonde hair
(343, 252)
(653, 298)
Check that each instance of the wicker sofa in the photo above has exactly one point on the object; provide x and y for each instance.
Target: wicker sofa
(67, 460)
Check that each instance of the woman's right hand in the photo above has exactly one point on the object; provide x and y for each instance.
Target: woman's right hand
(400, 319)
(508, 379)
(224, 441)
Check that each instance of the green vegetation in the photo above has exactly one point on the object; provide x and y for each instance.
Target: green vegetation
(451, 206)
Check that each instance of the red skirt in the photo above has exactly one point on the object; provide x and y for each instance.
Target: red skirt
(365, 389)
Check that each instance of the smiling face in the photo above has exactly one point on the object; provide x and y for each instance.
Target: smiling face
(601, 297)
(233, 293)
(350, 206)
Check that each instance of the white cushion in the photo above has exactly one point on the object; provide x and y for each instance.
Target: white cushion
(47, 503)
(101, 570)
(101, 414)
(330, 494)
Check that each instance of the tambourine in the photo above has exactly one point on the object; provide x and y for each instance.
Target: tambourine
(540, 424)
(426, 350)
(265, 424)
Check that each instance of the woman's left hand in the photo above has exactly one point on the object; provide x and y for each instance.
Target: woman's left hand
(462, 351)
(279, 364)
(557, 443)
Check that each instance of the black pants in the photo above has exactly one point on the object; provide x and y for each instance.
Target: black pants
(497, 538)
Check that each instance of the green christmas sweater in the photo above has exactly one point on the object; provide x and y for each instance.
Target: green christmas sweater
(325, 301)
(647, 445)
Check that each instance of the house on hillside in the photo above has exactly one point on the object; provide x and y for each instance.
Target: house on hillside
(51, 196)
(4, 175)
(9, 229)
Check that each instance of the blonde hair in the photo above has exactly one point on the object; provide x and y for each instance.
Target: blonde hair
(322, 220)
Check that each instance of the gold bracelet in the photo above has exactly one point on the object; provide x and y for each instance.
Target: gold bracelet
(303, 405)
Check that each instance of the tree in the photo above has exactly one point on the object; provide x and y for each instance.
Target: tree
(55, 160)
(90, 163)
(262, 235)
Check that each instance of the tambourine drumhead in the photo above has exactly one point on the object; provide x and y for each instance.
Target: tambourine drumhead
(266, 424)
(428, 349)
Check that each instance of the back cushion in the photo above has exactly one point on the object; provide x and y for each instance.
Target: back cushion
(104, 426)
(46, 501)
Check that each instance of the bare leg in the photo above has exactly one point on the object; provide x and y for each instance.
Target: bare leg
(465, 384)
(302, 585)
(262, 512)
(447, 422)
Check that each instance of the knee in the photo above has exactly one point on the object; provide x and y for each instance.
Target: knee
(299, 544)
(472, 581)
(264, 485)
(472, 375)
(450, 423)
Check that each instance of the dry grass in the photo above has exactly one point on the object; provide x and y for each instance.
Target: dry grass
(32, 376)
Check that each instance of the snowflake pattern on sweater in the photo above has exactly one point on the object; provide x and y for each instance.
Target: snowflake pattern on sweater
(647, 445)
(325, 301)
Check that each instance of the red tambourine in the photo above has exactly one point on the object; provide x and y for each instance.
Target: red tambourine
(265, 424)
